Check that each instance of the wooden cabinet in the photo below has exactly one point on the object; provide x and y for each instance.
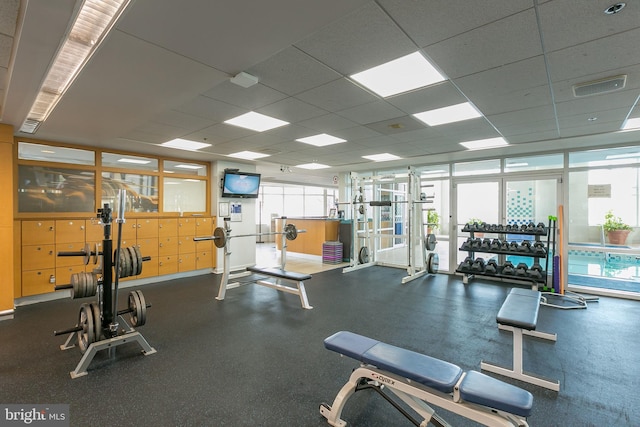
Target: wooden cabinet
(38, 232)
(186, 262)
(147, 228)
(310, 242)
(167, 227)
(38, 281)
(69, 231)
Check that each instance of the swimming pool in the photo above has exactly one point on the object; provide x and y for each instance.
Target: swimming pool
(608, 267)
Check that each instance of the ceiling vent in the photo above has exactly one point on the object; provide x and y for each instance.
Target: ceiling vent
(597, 87)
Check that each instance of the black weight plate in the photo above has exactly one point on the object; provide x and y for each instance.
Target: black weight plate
(75, 282)
(139, 257)
(291, 232)
(87, 335)
(127, 263)
(142, 319)
(134, 260)
(133, 308)
(430, 241)
(97, 321)
(433, 263)
(363, 255)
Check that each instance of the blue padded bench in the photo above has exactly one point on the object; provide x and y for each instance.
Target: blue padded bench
(416, 379)
(519, 314)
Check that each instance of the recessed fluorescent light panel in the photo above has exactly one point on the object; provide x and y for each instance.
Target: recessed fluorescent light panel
(400, 75)
(248, 155)
(631, 124)
(483, 144)
(381, 157)
(185, 144)
(622, 156)
(313, 166)
(93, 22)
(321, 140)
(451, 114)
(256, 121)
(134, 161)
(194, 167)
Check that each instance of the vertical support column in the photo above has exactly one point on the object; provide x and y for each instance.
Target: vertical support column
(6, 222)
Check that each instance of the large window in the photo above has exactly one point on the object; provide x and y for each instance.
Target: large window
(294, 201)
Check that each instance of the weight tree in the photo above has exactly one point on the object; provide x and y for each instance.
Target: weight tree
(415, 236)
(100, 325)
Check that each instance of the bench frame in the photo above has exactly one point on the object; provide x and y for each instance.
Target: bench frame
(517, 371)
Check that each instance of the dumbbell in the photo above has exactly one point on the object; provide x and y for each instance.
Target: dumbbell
(508, 228)
(465, 265)
(507, 268)
(504, 247)
(541, 228)
(535, 271)
(482, 226)
(521, 269)
(478, 265)
(525, 246)
(513, 246)
(476, 243)
(495, 244)
(485, 245)
(499, 228)
(466, 228)
(491, 267)
(538, 248)
(466, 245)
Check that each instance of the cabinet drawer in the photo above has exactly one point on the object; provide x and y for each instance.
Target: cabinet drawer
(186, 227)
(186, 245)
(38, 281)
(38, 257)
(68, 231)
(63, 274)
(204, 246)
(186, 262)
(204, 226)
(147, 228)
(204, 259)
(38, 232)
(148, 247)
(94, 232)
(65, 261)
(168, 246)
(167, 227)
(167, 265)
(149, 268)
(129, 230)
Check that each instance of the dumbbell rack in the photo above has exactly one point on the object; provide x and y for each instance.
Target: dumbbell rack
(100, 325)
(535, 249)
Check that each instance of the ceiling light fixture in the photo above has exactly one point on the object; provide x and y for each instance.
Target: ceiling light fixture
(321, 140)
(382, 157)
(313, 166)
(93, 22)
(400, 75)
(185, 144)
(256, 121)
(134, 161)
(194, 167)
(450, 114)
(615, 8)
(247, 155)
(631, 124)
(483, 144)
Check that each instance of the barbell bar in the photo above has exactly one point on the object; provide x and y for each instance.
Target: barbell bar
(220, 236)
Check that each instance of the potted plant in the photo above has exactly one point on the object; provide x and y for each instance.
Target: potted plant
(617, 231)
(433, 221)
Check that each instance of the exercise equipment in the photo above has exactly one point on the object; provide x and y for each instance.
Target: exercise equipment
(366, 244)
(100, 325)
(222, 237)
(519, 314)
(412, 381)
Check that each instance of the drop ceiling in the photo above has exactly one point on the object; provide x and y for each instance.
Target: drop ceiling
(164, 72)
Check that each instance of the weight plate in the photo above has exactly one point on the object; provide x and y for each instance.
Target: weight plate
(134, 261)
(290, 231)
(97, 321)
(430, 241)
(433, 263)
(87, 254)
(93, 284)
(143, 309)
(361, 209)
(87, 335)
(139, 257)
(83, 285)
(136, 309)
(121, 262)
(219, 237)
(75, 291)
(363, 255)
(127, 263)
(96, 254)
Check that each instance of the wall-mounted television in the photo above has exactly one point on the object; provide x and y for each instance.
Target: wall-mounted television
(243, 185)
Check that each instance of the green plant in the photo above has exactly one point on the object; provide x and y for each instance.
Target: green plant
(613, 223)
(433, 219)
(474, 220)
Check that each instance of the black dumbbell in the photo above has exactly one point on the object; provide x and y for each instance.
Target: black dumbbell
(525, 246)
(466, 245)
(507, 268)
(465, 265)
(541, 228)
(504, 247)
(521, 269)
(485, 245)
(495, 244)
(478, 265)
(538, 248)
(513, 246)
(491, 267)
(476, 243)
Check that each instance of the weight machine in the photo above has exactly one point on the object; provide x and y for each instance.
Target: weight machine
(417, 239)
(99, 323)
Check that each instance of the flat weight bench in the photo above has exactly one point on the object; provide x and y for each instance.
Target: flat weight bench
(519, 314)
(287, 276)
(417, 379)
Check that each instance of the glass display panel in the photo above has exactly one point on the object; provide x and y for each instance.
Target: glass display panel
(127, 161)
(184, 195)
(142, 191)
(45, 189)
(52, 153)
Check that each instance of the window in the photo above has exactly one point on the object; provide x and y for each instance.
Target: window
(49, 189)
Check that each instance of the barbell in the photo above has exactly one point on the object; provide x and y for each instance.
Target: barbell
(220, 236)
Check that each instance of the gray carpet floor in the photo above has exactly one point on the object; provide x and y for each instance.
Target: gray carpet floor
(257, 358)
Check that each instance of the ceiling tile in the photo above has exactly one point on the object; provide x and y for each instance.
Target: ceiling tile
(428, 98)
(337, 95)
(327, 123)
(371, 112)
(249, 98)
(291, 110)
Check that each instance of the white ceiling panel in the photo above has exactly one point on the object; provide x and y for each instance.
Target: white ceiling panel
(291, 110)
(337, 95)
(428, 98)
(372, 112)
(327, 123)
(182, 120)
(249, 98)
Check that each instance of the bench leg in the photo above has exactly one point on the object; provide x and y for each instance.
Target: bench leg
(517, 371)
(299, 290)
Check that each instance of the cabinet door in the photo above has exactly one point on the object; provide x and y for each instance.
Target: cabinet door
(149, 268)
(38, 281)
(167, 227)
(37, 257)
(186, 227)
(186, 262)
(147, 228)
(168, 246)
(204, 259)
(94, 232)
(70, 231)
(148, 247)
(65, 261)
(63, 274)
(204, 226)
(186, 245)
(167, 265)
(38, 232)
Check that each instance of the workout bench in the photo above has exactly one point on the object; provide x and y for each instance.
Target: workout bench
(519, 314)
(417, 379)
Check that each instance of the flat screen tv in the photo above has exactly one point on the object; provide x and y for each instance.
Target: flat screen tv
(244, 185)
